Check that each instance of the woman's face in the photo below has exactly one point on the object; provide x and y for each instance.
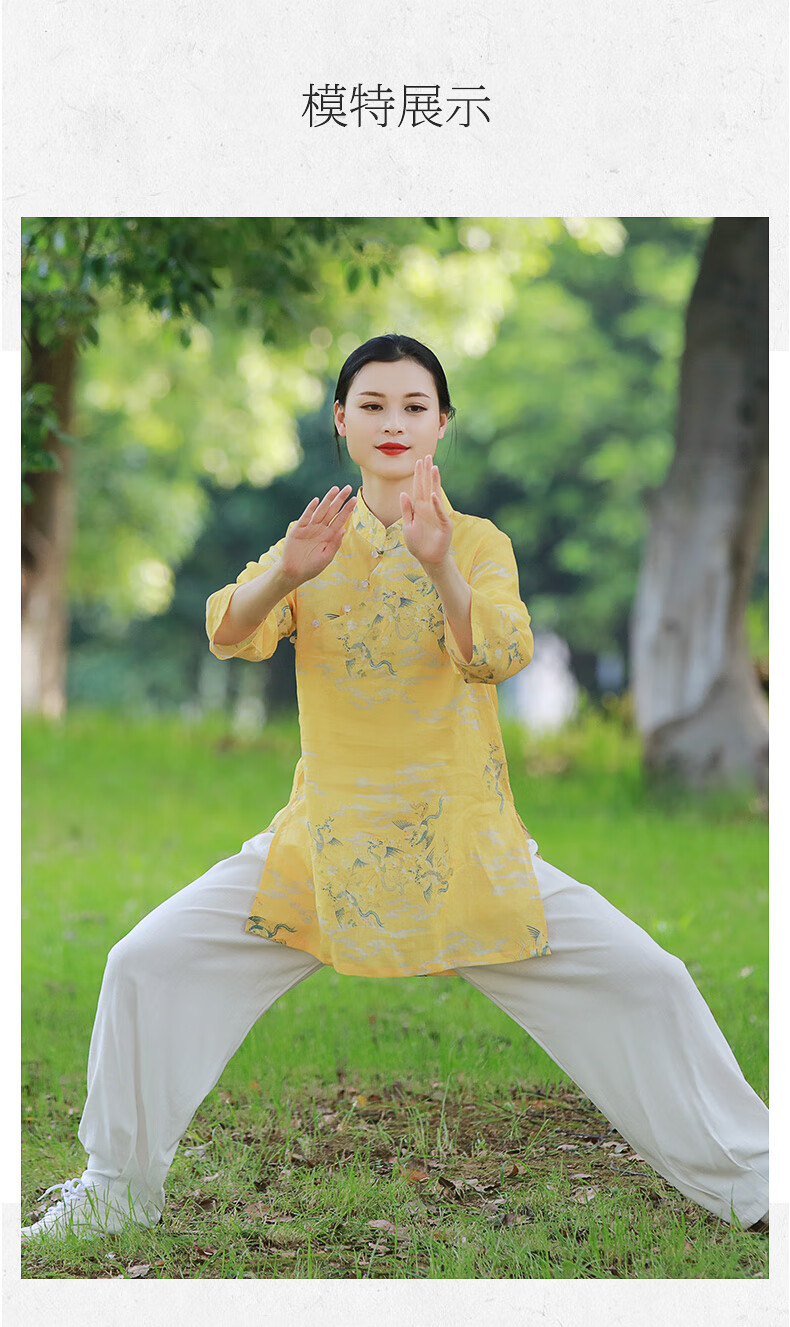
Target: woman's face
(391, 403)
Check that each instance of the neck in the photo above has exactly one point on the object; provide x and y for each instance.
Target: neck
(383, 496)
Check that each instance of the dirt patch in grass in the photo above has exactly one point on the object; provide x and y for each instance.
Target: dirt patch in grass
(530, 1134)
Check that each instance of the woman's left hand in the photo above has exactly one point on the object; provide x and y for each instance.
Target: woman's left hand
(427, 528)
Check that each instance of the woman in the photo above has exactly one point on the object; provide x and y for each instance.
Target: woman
(400, 851)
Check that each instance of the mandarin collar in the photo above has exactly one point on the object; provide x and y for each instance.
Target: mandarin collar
(378, 534)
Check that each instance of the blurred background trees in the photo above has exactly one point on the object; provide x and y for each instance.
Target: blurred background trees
(194, 359)
(255, 270)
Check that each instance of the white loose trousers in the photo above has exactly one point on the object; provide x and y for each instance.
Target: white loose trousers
(614, 1010)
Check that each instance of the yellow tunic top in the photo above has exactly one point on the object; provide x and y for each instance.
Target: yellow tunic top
(400, 851)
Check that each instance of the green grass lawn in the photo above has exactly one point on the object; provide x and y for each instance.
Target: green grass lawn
(414, 1102)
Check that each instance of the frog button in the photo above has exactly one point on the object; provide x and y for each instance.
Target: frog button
(364, 584)
(316, 623)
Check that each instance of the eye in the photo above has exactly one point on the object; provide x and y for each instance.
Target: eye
(374, 405)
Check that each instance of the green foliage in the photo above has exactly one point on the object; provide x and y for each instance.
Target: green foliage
(568, 426)
(269, 267)
(757, 627)
(158, 425)
(219, 344)
(39, 423)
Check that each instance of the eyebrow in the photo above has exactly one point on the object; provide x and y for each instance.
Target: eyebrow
(425, 394)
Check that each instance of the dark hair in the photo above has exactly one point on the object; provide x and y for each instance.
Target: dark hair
(388, 348)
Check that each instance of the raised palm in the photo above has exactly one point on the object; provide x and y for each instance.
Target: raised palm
(427, 529)
(313, 540)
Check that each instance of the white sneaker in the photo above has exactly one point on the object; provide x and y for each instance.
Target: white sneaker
(84, 1210)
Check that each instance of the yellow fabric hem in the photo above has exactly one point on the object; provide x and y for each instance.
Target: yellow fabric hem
(541, 949)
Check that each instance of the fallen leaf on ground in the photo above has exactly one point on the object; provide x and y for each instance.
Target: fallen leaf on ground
(139, 1269)
(414, 1174)
(384, 1225)
(583, 1195)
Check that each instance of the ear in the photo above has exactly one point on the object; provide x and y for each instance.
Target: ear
(340, 418)
(443, 419)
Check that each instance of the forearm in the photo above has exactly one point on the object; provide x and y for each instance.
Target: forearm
(456, 596)
(251, 603)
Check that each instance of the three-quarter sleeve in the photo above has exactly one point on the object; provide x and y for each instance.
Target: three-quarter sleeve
(502, 642)
(261, 643)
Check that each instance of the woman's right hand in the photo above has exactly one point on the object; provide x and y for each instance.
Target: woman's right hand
(313, 540)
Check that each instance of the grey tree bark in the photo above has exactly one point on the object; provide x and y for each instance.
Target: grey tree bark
(699, 708)
(47, 524)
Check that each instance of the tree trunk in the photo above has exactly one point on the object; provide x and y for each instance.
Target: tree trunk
(698, 705)
(47, 524)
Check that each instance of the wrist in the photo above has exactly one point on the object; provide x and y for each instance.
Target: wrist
(284, 583)
(438, 571)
